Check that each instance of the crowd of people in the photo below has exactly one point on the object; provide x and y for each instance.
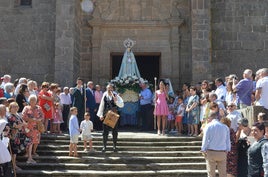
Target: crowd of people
(27, 111)
(208, 109)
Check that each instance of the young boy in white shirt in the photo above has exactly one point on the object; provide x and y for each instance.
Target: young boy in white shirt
(87, 126)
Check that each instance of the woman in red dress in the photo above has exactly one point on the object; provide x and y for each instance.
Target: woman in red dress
(33, 115)
(46, 103)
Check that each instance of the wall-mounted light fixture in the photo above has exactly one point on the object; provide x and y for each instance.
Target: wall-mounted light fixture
(87, 6)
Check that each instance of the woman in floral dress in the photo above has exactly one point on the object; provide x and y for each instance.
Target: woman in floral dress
(193, 112)
(33, 115)
(161, 107)
(18, 139)
(232, 156)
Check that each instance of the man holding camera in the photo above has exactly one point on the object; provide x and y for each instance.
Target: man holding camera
(244, 89)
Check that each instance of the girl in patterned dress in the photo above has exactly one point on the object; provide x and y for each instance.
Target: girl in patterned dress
(57, 120)
(171, 116)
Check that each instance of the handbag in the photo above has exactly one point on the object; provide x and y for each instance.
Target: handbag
(40, 127)
(47, 107)
(111, 119)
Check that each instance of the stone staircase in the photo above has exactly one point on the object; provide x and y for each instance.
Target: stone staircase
(140, 154)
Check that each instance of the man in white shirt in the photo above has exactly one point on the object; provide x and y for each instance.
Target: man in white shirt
(110, 101)
(65, 100)
(5, 157)
(221, 89)
(215, 145)
(261, 93)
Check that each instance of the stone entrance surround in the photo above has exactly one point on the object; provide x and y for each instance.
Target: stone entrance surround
(153, 25)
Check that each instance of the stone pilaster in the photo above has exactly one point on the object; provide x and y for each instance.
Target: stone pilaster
(175, 48)
(65, 62)
(201, 44)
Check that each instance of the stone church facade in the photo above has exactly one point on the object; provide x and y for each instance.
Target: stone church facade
(191, 40)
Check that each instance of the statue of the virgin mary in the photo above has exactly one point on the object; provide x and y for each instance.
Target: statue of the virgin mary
(129, 66)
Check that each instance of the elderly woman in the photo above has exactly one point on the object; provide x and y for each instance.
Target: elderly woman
(33, 115)
(17, 137)
(9, 89)
(255, 151)
(32, 87)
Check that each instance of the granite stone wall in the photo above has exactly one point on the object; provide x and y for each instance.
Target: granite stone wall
(201, 44)
(27, 39)
(53, 40)
(66, 59)
(239, 36)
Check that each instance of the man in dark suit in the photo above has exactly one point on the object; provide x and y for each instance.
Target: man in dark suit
(91, 103)
(78, 99)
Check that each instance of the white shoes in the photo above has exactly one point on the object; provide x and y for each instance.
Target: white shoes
(31, 161)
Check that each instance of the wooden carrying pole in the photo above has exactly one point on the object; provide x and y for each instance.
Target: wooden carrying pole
(155, 81)
(85, 98)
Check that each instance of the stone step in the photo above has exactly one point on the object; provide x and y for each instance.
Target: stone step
(151, 137)
(124, 153)
(114, 166)
(140, 154)
(129, 143)
(122, 147)
(111, 157)
(94, 173)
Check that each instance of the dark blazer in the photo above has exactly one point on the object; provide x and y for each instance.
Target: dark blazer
(79, 103)
(91, 102)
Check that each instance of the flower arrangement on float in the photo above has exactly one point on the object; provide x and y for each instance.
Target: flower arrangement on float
(128, 87)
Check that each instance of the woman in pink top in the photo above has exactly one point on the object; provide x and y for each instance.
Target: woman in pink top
(98, 94)
(161, 107)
